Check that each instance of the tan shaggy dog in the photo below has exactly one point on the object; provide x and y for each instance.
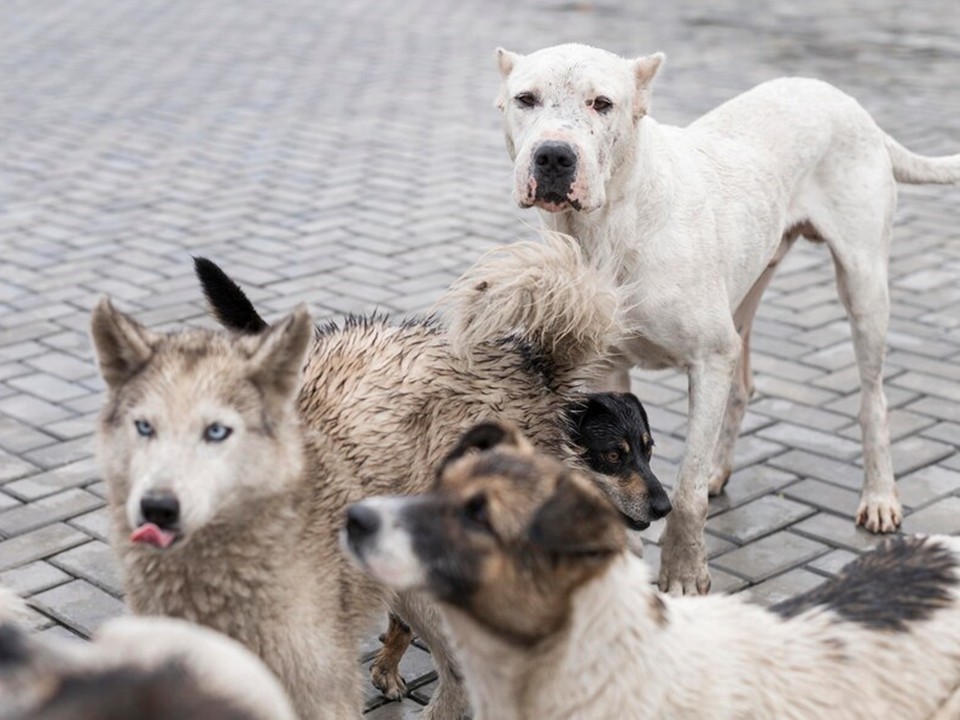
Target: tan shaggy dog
(552, 618)
(229, 458)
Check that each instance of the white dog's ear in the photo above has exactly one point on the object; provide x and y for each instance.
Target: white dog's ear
(506, 60)
(278, 359)
(122, 345)
(645, 69)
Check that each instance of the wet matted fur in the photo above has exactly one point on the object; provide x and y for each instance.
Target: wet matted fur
(263, 438)
(552, 618)
(697, 218)
(135, 667)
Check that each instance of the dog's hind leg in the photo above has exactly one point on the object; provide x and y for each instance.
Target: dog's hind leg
(385, 670)
(741, 390)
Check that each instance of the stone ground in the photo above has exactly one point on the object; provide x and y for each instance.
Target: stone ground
(348, 155)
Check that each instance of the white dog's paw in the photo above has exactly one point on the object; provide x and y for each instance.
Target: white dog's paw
(880, 514)
(388, 681)
(683, 566)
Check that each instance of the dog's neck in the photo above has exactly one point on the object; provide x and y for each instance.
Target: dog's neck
(637, 199)
(611, 614)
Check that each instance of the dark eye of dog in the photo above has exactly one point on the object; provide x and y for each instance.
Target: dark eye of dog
(526, 99)
(216, 432)
(601, 104)
(613, 456)
(475, 511)
(144, 428)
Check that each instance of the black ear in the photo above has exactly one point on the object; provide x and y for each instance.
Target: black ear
(122, 345)
(635, 401)
(228, 303)
(592, 406)
(576, 520)
(485, 436)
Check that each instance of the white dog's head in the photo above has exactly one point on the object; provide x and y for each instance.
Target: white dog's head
(198, 426)
(570, 115)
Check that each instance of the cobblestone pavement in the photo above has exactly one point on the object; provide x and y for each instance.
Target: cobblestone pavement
(347, 154)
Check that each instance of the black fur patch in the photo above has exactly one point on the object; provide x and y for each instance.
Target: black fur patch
(229, 303)
(905, 580)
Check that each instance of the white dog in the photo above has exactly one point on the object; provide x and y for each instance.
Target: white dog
(698, 218)
(553, 619)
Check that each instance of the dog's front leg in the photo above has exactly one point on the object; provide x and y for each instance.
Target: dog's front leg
(683, 564)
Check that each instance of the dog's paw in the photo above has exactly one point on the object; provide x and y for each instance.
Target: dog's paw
(683, 565)
(388, 681)
(718, 480)
(880, 514)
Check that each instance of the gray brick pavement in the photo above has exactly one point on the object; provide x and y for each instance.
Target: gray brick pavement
(347, 155)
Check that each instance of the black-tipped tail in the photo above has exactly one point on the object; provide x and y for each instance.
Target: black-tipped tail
(228, 303)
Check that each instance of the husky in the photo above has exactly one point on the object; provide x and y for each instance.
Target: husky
(698, 219)
(150, 668)
(229, 457)
(552, 618)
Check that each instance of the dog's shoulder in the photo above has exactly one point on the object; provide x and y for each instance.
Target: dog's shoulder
(903, 581)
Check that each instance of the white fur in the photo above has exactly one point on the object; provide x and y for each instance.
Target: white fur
(697, 218)
(715, 658)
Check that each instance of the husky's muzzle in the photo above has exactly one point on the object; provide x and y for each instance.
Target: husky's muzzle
(554, 172)
(159, 520)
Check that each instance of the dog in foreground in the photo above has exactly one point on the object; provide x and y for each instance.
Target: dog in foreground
(135, 667)
(552, 618)
(229, 459)
(698, 219)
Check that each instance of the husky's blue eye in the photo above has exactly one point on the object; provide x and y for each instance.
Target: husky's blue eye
(216, 432)
(143, 428)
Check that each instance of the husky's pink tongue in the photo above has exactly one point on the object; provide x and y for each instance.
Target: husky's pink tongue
(152, 535)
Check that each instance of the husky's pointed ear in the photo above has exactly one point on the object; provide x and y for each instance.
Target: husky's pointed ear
(577, 519)
(279, 356)
(505, 62)
(487, 436)
(122, 345)
(645, 69)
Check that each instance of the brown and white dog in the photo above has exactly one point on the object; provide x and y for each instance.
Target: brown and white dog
(551, 618)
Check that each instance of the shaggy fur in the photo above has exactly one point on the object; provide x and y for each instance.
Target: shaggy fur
(255, 552)
(696, 219)
(553, 619)
(145, 668)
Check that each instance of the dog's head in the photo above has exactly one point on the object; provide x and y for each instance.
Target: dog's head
(613, 436)
(505, 528)
(570, 116)
(197, 424)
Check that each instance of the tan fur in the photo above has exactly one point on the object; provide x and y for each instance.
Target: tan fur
(378, 408)
(566, 624)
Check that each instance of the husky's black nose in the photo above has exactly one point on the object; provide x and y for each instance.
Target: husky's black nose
(362, 522)
(161, 509)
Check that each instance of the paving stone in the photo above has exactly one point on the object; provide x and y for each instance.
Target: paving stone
(943, 516)
(47, 510)
(837, 531)
(12, 467)
(748, 484)
(38, 544)
(405, 710)
(43, 484)
(807, 464)
(758, 518)
(814, 441)
(785, 586)
(96, 563)
(924, 486)
(32, 578)
(824, 496)
(833, 562)
(95, 524)
(770, 555)
(79, 605)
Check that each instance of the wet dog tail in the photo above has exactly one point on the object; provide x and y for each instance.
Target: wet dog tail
(227, 302)
(548, 293)
(908, 167)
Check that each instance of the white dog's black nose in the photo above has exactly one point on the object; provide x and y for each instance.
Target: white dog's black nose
(362, 522)
(161, 509)
(555, 159)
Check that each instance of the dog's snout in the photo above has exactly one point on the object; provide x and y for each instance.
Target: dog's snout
(555, 158)
(161, 509)
(660, 505)
(362, 522)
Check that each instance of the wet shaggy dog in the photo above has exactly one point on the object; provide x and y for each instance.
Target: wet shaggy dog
(145, 668)
(229, 458)
(552, 618)
(698, 219)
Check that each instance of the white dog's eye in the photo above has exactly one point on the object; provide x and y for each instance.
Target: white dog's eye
(601, 103)
(526, 99)
(216, 432)
(144, 428)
